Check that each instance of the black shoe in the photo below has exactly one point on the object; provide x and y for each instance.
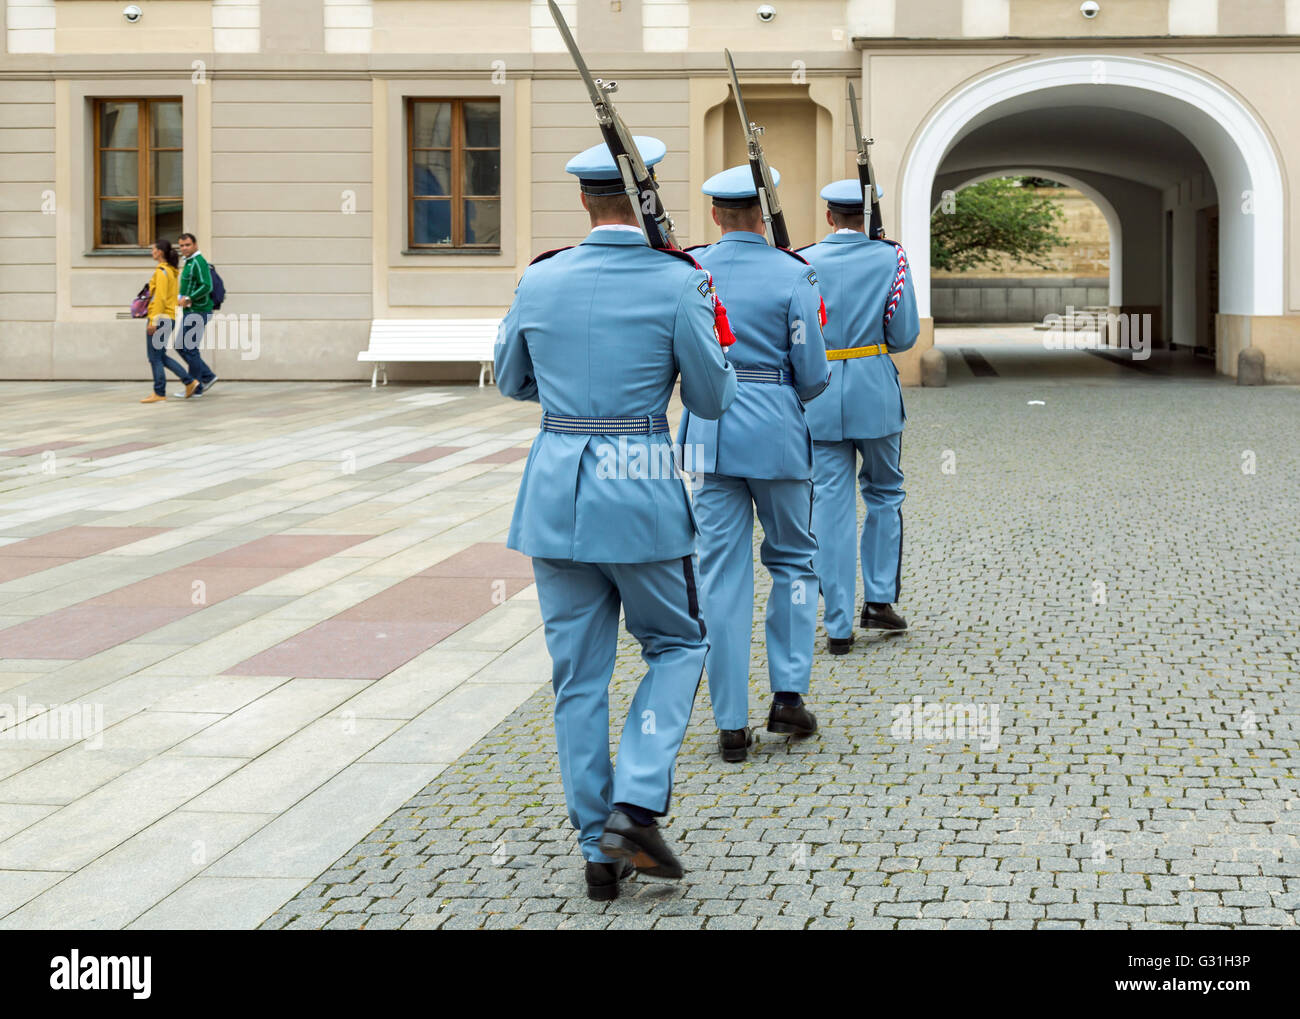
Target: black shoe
(839, 645)
(878, 616)
(642, 844)
(735, 743)
(791, 719)
(207, 386)
(603, 879)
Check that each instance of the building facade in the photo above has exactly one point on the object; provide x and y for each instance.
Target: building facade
(343, 161)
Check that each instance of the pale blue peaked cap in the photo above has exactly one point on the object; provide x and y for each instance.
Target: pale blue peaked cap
(846, 195)
(735, 185)
(598, 173)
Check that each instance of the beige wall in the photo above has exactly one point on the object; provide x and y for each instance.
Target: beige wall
(293, 215)
(27, 229)
(563, 123)
(275, 138)
(169, 26)
(491, 27)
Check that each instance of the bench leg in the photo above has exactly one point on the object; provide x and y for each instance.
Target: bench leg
(374, 375)
(482, 370)
(385, 367)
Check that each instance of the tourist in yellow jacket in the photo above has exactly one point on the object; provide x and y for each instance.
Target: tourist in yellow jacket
(161, 322)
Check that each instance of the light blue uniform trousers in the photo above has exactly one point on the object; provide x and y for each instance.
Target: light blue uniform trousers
(580, 604)
(835, 523)
(724, 508)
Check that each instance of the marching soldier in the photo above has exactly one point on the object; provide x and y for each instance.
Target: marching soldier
(598, 334)
(871, 312)
(758, 456)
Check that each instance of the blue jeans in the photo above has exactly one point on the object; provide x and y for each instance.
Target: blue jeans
(158, 359)
(187, 345)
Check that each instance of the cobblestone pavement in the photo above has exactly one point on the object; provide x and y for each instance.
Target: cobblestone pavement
(1113, 571)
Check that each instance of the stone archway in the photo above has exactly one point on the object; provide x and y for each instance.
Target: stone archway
(1229, 138)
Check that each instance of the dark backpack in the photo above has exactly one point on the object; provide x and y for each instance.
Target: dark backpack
(218, 288)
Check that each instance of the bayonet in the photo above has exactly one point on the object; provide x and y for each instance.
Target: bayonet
(773, 217)
(870, 199)
(638, 181)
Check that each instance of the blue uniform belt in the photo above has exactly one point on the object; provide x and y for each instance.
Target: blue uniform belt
(773, 376)
(646, 424)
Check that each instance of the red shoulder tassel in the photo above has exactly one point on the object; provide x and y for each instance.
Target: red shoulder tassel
(821, 311)
(721, 325)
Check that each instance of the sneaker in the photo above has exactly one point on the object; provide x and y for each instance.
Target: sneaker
(154, 398)
(209, 384)
(191, 388)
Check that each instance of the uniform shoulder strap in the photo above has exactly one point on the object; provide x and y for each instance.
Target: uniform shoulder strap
(811, 277)
(547, 254)
(696, 247)
(805, 248)
(677, 252)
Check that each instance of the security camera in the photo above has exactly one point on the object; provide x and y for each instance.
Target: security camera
(765, 12)
(132, 13)
(1090, 9)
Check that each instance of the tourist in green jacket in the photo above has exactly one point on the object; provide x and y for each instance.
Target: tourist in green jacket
(195, 307)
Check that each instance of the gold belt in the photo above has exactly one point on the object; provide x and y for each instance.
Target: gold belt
(848, 352)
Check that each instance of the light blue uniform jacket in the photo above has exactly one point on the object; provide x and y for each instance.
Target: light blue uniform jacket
(864, 400)
(773, 304)
(602, 330)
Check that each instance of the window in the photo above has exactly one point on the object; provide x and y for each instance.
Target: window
(138, 179)
(453, 173)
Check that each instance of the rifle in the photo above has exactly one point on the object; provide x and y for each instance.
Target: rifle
(876, 230)
(638, 182)
(773, 217)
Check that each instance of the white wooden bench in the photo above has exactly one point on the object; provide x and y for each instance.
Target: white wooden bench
(396, 340)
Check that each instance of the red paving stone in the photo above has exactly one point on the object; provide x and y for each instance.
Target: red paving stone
(126, 447)
(286, 550)
(176, 588)
(83, 630)
(100, 623)
(345, 649)
(78, 542)
(29, 450)
(13, 567)
(485, 559)
(502, 456)
(452, 600)
(429, 606)
(422, 456)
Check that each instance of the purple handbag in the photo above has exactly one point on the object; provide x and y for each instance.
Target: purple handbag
(140, 306)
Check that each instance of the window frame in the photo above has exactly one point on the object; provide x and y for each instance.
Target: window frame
(456, 196)
(144, 150)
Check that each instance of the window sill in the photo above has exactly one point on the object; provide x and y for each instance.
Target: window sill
(116, 252)
(451, 251)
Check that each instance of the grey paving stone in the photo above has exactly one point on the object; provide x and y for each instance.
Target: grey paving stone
(1125, 791)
